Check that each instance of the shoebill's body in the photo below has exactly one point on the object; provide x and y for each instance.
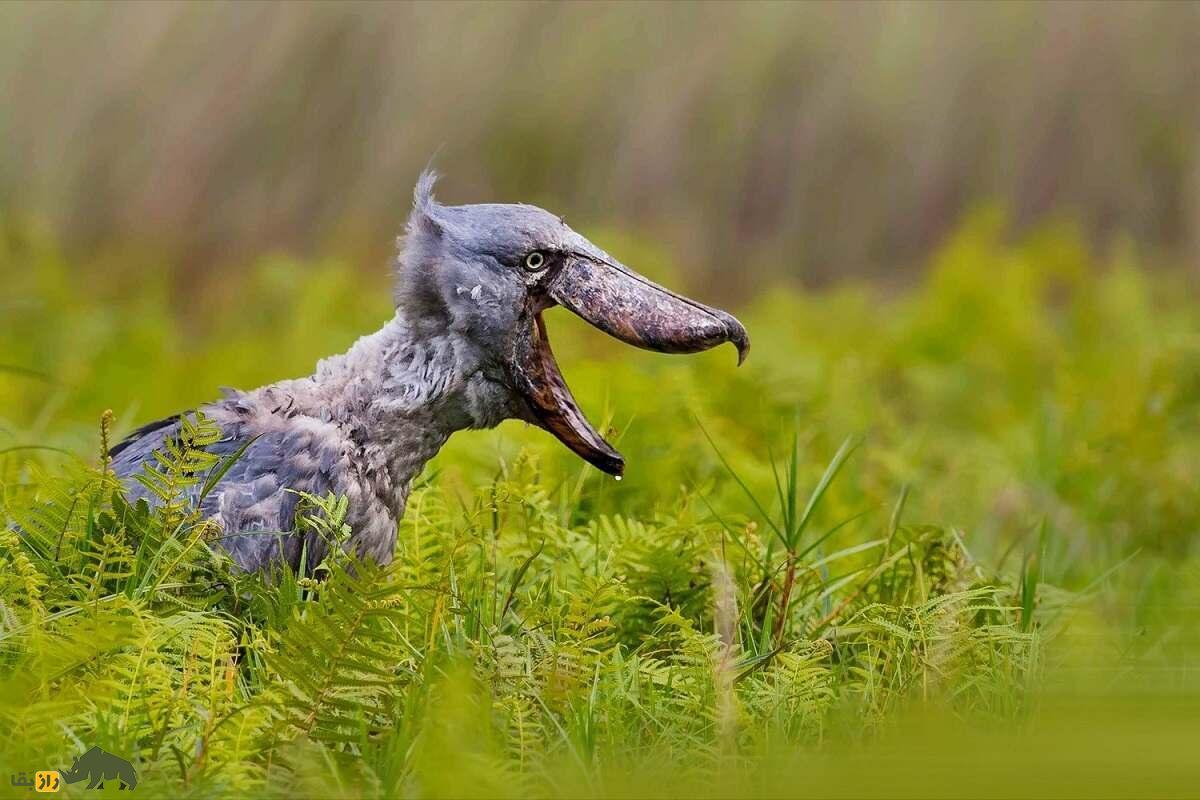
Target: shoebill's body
(466, 349)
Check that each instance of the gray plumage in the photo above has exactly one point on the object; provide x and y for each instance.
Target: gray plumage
(364, 424)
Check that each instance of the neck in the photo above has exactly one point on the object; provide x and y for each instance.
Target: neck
(401, 392)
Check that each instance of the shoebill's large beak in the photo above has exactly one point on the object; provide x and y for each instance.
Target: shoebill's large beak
(624, 305)
(639, 312)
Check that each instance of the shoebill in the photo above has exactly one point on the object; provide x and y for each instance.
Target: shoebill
(466, 349)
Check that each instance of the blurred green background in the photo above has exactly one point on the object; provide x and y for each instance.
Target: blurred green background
(807, 141)
(966, 233)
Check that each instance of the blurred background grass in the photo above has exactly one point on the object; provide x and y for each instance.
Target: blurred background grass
(965, 231)
(808, 141)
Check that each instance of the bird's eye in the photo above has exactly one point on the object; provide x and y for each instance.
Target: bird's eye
(535, 261)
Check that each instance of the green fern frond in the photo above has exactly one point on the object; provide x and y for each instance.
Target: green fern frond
(181, 463)
(339, 659)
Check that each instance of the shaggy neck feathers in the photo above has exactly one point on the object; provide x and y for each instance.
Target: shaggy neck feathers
(400, 394)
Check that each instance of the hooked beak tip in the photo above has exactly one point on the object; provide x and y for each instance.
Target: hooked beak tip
(742, 342)
(736, 334)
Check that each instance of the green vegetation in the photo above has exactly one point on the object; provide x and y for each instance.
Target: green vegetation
(931, 544)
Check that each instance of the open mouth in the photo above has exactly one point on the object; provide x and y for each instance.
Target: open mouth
(628, 307)
(557, 411)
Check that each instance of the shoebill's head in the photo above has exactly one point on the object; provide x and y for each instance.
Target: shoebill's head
(486, 274)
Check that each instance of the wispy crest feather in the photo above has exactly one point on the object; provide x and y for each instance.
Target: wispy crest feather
(420, 234)
(423, 199)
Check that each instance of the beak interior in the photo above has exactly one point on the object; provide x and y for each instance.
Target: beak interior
(628, 307)
(553, 405)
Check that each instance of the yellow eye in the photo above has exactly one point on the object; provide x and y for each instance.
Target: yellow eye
(535, 261)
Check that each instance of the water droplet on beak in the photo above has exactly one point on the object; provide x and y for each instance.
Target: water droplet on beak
(618, 477)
